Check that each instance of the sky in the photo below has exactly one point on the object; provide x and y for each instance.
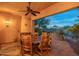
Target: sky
(67, 18)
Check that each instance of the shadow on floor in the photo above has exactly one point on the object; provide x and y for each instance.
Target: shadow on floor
(74, 45)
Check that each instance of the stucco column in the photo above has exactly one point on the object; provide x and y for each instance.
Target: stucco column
(26, 24)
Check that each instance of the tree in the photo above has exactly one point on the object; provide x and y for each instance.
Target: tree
(41, 25)
(75, 30)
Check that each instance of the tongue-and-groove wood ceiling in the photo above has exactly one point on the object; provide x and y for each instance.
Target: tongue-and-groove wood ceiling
(17, 6)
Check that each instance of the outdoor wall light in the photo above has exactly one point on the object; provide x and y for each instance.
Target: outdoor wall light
(7, 23)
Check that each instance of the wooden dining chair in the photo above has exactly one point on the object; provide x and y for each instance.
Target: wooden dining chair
(49, 39)
(26, 45)
(35, 36)
(44, 46)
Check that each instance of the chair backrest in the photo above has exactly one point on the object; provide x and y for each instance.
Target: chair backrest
(26, 44)
(26, 39)
(35, 36)
(44, 41)
(49, 38)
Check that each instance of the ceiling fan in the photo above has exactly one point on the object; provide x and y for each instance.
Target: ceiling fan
(30, 11)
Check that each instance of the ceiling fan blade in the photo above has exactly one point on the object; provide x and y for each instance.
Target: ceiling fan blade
(36, 12)
(27, 13)
(33, 14)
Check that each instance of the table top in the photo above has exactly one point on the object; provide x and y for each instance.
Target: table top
(35, 42)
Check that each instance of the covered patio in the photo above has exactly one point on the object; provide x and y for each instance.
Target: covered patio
(17, 30)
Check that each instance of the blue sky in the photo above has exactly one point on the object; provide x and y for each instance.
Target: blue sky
(67, 18)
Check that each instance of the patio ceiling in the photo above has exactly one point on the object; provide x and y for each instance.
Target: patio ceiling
(57, 8)
(15, 7)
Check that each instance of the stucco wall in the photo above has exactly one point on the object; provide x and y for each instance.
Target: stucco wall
(9, 34)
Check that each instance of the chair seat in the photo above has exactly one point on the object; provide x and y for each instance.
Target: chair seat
(46, 48)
